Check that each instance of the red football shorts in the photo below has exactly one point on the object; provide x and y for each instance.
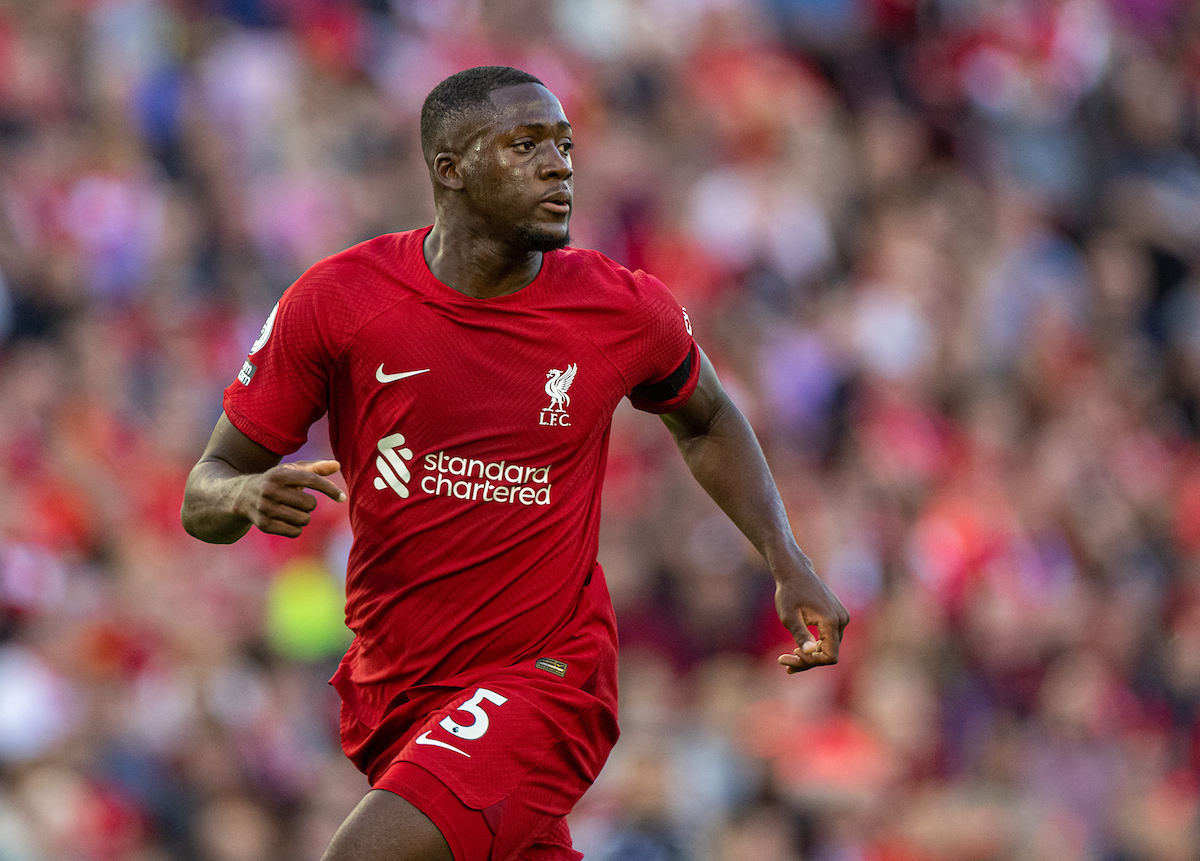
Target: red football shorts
(496, 766)
(497, 756)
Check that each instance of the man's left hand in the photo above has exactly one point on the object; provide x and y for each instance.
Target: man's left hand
(803, 601)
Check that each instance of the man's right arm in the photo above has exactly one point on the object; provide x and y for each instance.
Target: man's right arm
(238, 483)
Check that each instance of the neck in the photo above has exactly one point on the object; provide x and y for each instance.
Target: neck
(478, 266)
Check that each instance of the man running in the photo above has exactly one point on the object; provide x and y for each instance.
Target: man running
(470, 371)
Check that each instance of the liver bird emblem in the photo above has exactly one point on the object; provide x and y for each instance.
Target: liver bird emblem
(557, 383)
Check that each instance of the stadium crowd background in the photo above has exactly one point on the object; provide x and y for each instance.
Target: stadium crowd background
(945, 255)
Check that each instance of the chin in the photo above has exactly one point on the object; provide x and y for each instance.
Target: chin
(531, 239)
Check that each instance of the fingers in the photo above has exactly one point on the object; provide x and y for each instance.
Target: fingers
(320, 467)
(799, 660)
(277, 502)
(281, 511)
(816, 621)
(280, 527)
(812, 652)
(311, 475)
(828, 638)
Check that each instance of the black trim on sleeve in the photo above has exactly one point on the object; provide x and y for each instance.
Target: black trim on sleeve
(666, 389)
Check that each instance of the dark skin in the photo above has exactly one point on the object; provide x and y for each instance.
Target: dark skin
(501, 195)
(509, 184)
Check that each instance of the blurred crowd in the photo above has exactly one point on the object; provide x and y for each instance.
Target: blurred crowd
(945, 254)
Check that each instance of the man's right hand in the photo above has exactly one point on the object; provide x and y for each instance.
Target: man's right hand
(276, 502)
(239, 483)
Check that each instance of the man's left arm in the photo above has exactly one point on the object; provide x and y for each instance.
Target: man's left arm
(720, 449)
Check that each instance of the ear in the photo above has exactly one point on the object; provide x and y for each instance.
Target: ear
(446, 170)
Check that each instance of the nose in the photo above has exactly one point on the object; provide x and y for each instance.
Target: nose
(557, 165)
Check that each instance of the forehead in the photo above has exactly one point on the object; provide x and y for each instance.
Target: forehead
(525, 105)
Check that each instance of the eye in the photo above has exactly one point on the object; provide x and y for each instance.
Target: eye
(566, 146)
(524, 146)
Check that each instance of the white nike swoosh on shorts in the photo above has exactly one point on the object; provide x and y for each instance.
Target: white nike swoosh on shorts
(391, 378)
(424, 738)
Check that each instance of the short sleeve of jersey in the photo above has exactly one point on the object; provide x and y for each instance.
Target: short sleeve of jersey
(283, 386)
(666, 368)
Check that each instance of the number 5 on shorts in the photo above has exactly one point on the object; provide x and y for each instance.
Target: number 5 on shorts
(480, 726)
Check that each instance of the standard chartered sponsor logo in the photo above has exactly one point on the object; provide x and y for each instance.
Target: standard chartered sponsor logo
(461, 477)
(393, 472)
(486, 481)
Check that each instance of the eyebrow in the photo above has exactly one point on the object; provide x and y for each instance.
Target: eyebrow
(541, 126)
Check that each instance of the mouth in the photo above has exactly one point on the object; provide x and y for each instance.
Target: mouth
(559, 202)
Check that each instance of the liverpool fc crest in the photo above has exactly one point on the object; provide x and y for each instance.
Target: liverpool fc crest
(557, 383)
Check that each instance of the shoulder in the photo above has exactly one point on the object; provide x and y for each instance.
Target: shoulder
(604, 279)
(361, 268)
(344, 291)
(359, 282)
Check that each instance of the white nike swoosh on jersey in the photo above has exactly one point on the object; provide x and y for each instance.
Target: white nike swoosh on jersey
(391, 378)
(424, 738)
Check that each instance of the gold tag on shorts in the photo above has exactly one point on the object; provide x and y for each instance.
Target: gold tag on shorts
(552, 666)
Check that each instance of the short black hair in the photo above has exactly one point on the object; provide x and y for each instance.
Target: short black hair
(461, 93)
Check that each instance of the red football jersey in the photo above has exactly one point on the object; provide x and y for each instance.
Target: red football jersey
(472, 435)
